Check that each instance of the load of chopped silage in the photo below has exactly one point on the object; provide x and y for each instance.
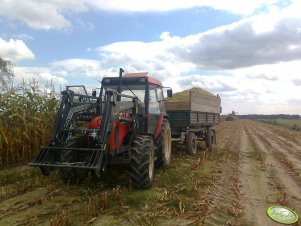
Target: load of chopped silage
(184, 95)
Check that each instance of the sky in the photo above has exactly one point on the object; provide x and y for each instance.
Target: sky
(248, 52)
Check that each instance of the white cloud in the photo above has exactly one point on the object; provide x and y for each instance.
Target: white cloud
(234, 6)
(263, 76)
(142, 56)
(247, 94)
(40, 14)
(237, 45)
(52, 14)
(23, 37)
(41, 74)
(242, 44)
(77, 67)
(297, 82)
(67, 72)
(85, 25)
(15, 50)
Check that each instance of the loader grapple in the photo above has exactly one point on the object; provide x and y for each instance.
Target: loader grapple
(48, 155)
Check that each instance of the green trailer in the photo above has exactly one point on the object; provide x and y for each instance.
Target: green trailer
(193, 114)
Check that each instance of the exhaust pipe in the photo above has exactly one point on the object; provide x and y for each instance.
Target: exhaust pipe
(119, 85)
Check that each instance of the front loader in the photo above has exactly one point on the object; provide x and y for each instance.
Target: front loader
(125, 123)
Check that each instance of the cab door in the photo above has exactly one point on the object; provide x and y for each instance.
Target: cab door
(155, 108)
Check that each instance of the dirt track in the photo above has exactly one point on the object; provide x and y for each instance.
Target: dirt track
(252, 167)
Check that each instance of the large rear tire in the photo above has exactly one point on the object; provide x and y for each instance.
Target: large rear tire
(191, 143)
(71, 175)
(142, 162)
(163, 149)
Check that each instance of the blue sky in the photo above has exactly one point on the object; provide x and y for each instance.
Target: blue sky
(249, 52)
(93, 28)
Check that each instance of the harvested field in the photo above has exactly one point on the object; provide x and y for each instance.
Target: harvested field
(289, 123)
(253, 166)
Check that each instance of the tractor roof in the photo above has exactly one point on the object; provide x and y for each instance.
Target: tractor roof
(145, 75)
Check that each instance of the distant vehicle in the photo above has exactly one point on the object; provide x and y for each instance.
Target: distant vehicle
(232, 116)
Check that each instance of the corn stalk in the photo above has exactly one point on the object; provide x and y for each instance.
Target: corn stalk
(26, 119)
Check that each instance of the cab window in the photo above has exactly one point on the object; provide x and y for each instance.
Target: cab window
(154, 98)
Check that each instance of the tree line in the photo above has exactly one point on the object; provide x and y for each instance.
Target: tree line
(6, 75)
(273, 116)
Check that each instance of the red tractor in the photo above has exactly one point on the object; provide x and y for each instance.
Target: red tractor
(125, 123)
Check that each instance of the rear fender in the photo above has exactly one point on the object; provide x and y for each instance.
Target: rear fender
(159, 126)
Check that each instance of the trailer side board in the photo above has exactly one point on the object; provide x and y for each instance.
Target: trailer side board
(200, 102)
(181, 120)
(204, 103)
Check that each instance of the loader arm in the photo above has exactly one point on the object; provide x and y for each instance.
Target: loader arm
(65, 106)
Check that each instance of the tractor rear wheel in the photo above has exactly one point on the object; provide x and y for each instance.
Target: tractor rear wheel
(191, 143)
(210, 138)
(142, 162)
(163, 149)
(71, 175)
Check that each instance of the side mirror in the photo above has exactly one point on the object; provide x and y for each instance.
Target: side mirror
(94, 93)
(169, 93)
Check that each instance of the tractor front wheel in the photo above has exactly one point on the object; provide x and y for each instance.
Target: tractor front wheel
(142, 162)
(71, 175)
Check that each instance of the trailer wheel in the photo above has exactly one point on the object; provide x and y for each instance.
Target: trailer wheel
(71, 175)
(210, 138)
(163, 149)
(191, 143)
(142, 162)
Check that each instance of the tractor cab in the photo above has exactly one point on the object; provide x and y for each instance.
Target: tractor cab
(147, 90)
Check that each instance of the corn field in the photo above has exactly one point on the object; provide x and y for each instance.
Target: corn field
(26, 120)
